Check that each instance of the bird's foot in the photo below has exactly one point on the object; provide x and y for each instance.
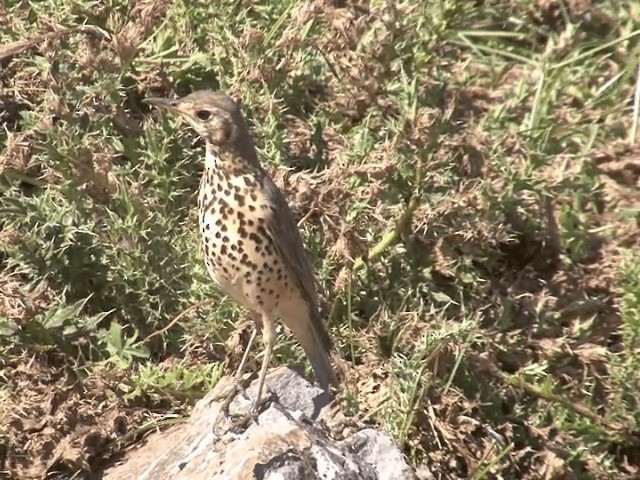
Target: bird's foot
(238, 421)
(259, 405)
(227, 394)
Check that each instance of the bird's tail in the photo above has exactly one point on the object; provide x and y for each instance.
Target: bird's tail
(322, 368)
(316, 343)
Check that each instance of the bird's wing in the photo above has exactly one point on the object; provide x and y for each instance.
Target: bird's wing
(286, 237)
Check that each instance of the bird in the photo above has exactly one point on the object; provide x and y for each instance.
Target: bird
(251, 242)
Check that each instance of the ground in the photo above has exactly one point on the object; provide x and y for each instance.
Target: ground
(466, 176)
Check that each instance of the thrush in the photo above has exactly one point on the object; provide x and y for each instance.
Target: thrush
(251, 242)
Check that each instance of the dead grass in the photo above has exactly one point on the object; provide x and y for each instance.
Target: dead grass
(71, 426)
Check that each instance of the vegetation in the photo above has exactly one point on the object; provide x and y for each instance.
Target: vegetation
(467, 179)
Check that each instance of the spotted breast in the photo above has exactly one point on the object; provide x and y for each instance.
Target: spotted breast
(238, 250)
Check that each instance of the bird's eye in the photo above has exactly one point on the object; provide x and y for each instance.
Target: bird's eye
(203, 114)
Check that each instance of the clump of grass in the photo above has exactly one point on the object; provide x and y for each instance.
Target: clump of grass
(625, 363)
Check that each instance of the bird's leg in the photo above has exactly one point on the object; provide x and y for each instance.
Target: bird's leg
(229, 394)
(238, 386)
(269, 339)
(245, 356)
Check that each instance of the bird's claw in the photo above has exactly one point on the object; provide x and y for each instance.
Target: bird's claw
(238, 422)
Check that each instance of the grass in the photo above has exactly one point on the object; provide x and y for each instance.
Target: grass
(468, 179)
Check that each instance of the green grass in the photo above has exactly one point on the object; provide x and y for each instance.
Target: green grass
(459, 168)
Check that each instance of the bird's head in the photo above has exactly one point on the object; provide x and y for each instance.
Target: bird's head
(213, 115)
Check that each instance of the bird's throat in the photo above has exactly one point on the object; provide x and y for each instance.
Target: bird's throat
(211, 159)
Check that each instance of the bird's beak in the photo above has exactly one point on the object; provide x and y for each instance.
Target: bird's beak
(165, 103)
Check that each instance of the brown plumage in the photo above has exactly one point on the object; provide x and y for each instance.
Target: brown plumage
(252, 246)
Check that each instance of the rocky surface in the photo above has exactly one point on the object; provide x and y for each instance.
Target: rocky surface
(296, 435)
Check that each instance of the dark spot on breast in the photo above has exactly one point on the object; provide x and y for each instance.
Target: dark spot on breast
(248, 181)
(257, 239)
